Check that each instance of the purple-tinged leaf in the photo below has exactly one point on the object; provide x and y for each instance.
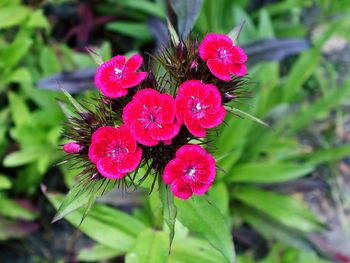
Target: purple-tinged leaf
(274, 49)
(187, 12)
(72, 81)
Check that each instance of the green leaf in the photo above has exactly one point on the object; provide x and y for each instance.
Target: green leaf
(22, 157)
(106, 225)
(151, 247)
(283, 208)
(169, 209)
(82, 195)
(327, 155)
(265, 25)
(201, 216)
(195, 250)
(37, 19)
(12, 15)
(76, 105)
(306, 115)
(5, 183)
(301, 71)
(132, 29)
(13, 210)
(98, 253)
(16, 51)
(48, 61)
(144, 6)
(268, 172)
(19, 110)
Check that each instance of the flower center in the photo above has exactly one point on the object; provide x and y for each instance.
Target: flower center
(117, 150)
(222, 53)
(191, 172)
(149, 116)
(118, 72)
(198, 108)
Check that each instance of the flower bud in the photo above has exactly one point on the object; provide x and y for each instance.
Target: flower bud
(72, 147)
(227, 97)
(194, 66)
(88, 117)
(181, 50)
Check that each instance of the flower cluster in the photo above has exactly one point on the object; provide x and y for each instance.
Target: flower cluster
(153, 122)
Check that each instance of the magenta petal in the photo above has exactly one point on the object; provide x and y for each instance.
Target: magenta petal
(165, 131)
(219, 69)
(238, 69)
(199, 188)
(167, 112)
(108, 168)
(173, 170)
(181, 189)
(213, 120)
(238, 55)
(134, 62)
(193, 126)
(130, 161)
(133, 79)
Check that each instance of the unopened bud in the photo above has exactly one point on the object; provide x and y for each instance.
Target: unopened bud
(194, 66)
(88, 117)
(227, 97)
(181, 50)
(72, 147)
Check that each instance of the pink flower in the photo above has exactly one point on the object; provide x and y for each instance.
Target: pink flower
(115, 76)
(192, 171)
(114, 151)
(72, 147)
(151, 117)
(199, 106)
(222, 56)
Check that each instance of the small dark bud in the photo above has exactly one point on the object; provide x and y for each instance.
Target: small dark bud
(195, 42)
(181, 50)
(194, 66)
(96, 176)
(227, 97)
(88, 117)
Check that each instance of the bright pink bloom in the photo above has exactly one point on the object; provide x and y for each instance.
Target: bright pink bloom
(198, 105)
(72, 147)
(151, 117)
(192, 171)
(114, 151)
(115, 76)
(222, 56)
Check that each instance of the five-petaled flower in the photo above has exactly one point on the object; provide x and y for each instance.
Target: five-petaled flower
(115, 76)
(191, 172)
(114, 151)
(222, 56)
(151, 117)
(198, 106)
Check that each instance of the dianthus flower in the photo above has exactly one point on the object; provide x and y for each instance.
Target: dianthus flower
(114, 151)
(191, 172)
(222, 56)
(151, 117)
(198, 105)
(115, 76)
